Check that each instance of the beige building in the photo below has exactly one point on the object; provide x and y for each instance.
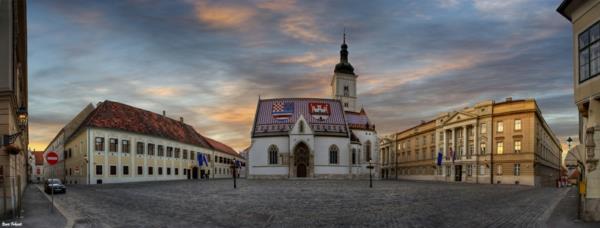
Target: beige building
(491, 142)
(585, 17)
(116, 143)
(13, 104)
(387, 156)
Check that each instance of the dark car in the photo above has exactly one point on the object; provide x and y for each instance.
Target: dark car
(54, 184)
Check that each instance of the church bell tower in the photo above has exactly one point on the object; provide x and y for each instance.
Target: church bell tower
(343, 83)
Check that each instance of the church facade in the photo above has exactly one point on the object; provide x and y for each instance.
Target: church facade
(314, 137)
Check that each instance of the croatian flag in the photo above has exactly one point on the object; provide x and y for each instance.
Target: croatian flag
(439, 158)
(238, 164)
(282, 111)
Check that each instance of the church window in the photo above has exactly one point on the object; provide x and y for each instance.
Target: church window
(346, 104)
(301, 126)
(353, 156)
(273, 150)
(368, 150)
(333, 154)
(346, 91)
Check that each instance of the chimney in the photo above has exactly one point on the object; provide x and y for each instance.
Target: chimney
(164, 113)
(509, 99)
(181, 119)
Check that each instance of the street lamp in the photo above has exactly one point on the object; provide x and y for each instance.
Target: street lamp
(233, 167)
(370, 167)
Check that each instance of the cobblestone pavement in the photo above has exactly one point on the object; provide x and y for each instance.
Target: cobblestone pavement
(268, 203)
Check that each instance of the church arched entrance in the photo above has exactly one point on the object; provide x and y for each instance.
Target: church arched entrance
(301, 159)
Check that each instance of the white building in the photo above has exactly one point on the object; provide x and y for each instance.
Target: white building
(314, 137)
(117, 143)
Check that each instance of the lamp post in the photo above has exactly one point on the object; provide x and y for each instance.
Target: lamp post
(370, 167)
(233, 167)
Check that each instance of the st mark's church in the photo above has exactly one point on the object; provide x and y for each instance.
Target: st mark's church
(314, 137)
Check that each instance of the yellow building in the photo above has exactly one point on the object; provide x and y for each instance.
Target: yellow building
(13, 104)
(117, 143)
(492, 142)
(585, 17)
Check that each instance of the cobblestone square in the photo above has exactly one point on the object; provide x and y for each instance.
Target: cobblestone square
(293, 203)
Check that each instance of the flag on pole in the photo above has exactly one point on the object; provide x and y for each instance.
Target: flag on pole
(200, 159)
(238, 164)
(205, 159)
(439, 158)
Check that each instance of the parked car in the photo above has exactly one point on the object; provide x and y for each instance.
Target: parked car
(56, 185)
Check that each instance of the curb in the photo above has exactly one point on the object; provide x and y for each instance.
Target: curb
(60, 209)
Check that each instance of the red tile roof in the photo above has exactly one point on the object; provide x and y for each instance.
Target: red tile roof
(222, 147)
(114, 115)
(39, 157)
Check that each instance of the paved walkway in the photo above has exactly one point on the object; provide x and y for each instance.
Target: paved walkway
(36, 210)
(300, 203)
(565, 213)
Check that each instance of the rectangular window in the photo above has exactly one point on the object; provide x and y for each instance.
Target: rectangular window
(517, 125)
(169, 151)
(98, 170)
(160, 150)
(140, 170)
(150, 170)
(159, 170)
(113, 170)
(177, 150)
(140, 148)
(589, 53)
(99, 144)
(125, 170)
(469, 170)
(125, 146)
(169, 171)
(518, 146)
(176, 171)
(150, 149)
(500, 126)
(185, 154)
(517, 169)
(482, 148)
(113, 144)
(500, 148)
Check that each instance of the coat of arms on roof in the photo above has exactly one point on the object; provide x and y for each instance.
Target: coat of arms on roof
(282, 111)
(320, 111)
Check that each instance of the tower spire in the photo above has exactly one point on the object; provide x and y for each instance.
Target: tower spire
(344, 35)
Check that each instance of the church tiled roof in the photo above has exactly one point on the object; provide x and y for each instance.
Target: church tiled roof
(277, 116)
(359, 120)
(114, 115)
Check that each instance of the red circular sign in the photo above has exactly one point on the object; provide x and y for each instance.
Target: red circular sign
(52, 157)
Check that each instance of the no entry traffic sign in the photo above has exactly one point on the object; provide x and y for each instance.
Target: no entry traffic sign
(51, 157)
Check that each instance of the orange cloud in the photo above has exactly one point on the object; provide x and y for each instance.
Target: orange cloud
(228, 113)
(222, 16)
(162, 91)
(40, 134)
(302, 27)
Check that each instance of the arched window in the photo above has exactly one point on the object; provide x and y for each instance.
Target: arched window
(368, 151)
(273, 151)
(301, 126)
(333, 154)
(353, 156)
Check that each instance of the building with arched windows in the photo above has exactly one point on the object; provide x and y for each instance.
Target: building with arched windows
(315, 137)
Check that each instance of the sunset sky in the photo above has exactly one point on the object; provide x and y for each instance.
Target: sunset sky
(208, 61)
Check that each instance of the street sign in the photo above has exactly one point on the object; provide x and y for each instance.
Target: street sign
(52, 157)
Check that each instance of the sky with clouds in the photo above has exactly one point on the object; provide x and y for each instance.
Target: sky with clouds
(208, 61)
